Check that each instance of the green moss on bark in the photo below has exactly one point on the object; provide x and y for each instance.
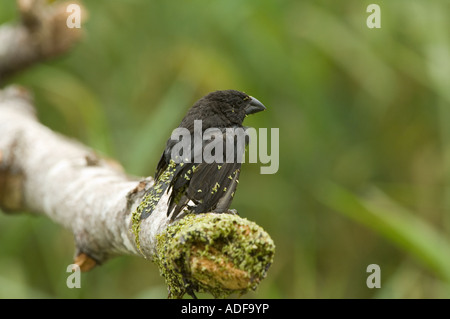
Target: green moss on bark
(216, 253)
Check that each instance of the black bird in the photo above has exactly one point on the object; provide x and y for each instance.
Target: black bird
(204, 186)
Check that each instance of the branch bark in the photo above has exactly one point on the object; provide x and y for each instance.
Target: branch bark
(41, 35)
(45, 173)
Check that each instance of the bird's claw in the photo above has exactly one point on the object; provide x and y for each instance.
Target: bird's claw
(232, 212)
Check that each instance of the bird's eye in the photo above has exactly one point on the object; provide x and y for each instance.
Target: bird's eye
(246, 98)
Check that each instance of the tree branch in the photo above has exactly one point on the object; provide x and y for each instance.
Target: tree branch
(48, 174)
(42, 34)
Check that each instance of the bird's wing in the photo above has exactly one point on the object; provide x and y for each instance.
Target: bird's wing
(217, 184)
(210, 186)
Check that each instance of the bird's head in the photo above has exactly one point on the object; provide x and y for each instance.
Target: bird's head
(224, 108)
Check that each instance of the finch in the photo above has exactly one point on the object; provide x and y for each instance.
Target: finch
(204, 178)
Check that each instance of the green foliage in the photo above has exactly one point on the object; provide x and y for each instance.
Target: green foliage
(358, 110)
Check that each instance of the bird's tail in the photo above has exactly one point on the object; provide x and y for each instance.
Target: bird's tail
(154, 194)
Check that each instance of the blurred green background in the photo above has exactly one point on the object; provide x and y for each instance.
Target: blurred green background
(364, 174)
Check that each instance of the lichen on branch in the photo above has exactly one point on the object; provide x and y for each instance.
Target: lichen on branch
(220, 254)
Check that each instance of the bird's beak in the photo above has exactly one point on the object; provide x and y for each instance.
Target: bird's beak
(254, 106)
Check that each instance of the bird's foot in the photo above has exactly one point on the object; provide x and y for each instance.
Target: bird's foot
(232, 212)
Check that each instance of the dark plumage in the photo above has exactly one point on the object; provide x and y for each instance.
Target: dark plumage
(203, 187)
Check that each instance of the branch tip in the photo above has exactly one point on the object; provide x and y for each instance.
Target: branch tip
(217, 253)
